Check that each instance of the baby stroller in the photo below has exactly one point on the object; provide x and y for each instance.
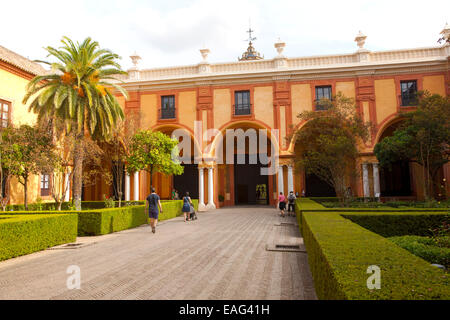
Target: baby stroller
(192, 213)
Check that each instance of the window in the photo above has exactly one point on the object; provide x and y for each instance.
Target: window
(409, 92)
(322, 92)
(168, 107)
(242, 102)
(45, 185)
(5, 108)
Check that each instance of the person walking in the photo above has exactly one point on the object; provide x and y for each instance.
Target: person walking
(282, 203)
(291, 203)
(187, 202)
(152, 204)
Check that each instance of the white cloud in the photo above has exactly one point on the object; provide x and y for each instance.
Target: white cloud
(170, 33)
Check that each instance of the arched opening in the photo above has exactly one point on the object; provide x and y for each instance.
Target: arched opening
(245, 181)
(188, 181)
(314, 186)
(395, 181)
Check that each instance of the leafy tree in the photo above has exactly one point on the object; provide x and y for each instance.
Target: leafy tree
(423, 137)
(153, 151)
(116, 152)
(329, 140)
(29, 146)
(6, 152)
(58, 162)
(78, 91)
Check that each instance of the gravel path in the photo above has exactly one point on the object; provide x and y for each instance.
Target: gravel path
(222, 255)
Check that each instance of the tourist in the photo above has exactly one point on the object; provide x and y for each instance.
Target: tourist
(291, 203)
(303, 193)
(282, 203)
(153, 201)
(177, 195)
(187, 203)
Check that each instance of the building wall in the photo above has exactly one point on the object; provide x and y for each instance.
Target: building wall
(276, 105)
(13, 89)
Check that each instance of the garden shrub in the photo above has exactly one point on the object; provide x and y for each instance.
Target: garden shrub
(390, 224)
(340, 252)
(424, 247)
(24, 234)
(103, 221)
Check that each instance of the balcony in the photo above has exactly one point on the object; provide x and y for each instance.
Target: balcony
(168, 113)
(409, 100)
(242, 109)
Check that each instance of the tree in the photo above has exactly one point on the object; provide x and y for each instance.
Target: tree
(153, 151)
(58, 162)
(6, 152)
(328, 141)
(29, 152)
(423, 137)
(78, 91)
(116, 152)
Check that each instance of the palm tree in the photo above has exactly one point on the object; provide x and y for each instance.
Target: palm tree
(78, 91)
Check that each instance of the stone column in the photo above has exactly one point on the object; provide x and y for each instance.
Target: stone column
(67, 188)
(366, 180)
(376, 180)
(211, 205)
(290, 179)
(280, 180)
(201, 187)
(136, 186)
(127, 187)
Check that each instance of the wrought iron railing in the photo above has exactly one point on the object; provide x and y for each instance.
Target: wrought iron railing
(243, 109)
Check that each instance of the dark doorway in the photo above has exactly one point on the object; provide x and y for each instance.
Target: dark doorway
(188, 181)
(397, 181)
(250, 186)
(316, 187)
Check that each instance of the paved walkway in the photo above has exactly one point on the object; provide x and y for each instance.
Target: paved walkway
(222, 255)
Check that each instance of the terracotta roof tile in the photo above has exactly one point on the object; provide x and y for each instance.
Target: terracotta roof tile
(21, 62)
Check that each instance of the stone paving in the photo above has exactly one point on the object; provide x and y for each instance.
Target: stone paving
(222, 255)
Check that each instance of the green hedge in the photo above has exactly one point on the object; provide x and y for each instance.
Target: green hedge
(85, 205)
(340, 252)
(425, 248)
(390, 224)
(24, 234)
(103, 221)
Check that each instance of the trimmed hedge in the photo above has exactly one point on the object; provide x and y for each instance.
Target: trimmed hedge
(103, 221)
(390, 224)
(340, 252)
(24, 234)
(85, 205)
(425, 248)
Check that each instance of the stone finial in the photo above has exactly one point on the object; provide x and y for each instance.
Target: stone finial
(205, 53)
(135, 60)
(445, 34)
(279, 45)
(360, 40)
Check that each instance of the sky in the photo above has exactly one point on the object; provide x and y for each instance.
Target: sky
(170, 33)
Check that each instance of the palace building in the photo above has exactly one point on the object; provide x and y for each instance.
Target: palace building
(268, 93)
(15, 73)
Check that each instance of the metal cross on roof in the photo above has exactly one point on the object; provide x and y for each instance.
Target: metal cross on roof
(250, 39)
